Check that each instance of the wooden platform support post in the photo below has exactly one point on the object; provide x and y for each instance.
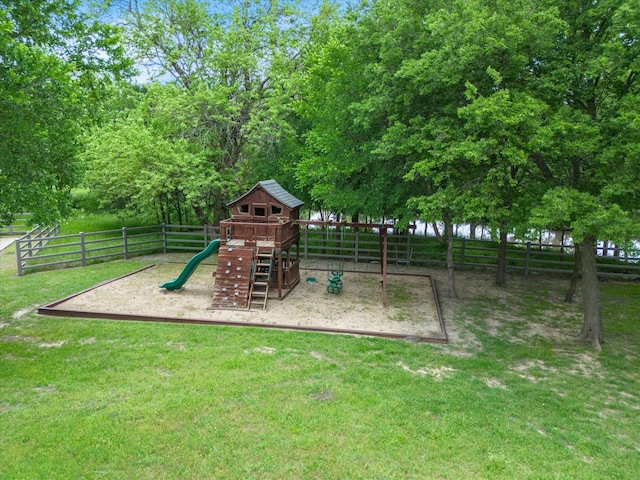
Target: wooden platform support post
(279, 274)
(383, 265)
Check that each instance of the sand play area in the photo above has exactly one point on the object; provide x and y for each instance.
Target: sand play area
(412, 310)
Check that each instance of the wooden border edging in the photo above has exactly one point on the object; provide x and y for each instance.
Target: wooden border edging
(52, 310)
(438, 309)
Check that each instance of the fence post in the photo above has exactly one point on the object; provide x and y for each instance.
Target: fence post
(39, 234)
(19, 257)
(83, 251)
(408, 247)
(206, 236)
(30, 245)
(306, 243)
(124, 243)
(357, 246)
(462, 247)
(164, 238)
(527, 255)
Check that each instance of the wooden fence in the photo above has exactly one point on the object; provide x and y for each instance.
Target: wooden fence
(19, 226)
(55, 251)
(340, 249)
(33, 242)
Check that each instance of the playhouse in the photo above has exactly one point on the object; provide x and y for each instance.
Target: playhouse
(259, 252)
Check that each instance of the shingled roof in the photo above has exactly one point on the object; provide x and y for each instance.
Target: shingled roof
(274, 189)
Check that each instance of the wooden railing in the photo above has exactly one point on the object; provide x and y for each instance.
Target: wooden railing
(251, 232)
(33, 242)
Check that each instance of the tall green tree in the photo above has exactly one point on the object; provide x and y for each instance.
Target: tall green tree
(451, 83)
(54, 62)
(488, 108)
(548, 118)
(142, 162)
(341, 167)
(497, 119)
(231, 63)
(591, 159)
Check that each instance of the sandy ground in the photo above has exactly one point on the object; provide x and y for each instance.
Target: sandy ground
(411, 309)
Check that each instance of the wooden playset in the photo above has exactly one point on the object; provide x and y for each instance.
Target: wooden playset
(259, 248)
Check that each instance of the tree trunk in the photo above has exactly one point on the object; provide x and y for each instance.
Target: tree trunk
(201, 215)
(575, 275)
(436, 231)
(501, 276)
(472, 231)
(178, 207)
(451, 281)
(166, 209)
(592, 326)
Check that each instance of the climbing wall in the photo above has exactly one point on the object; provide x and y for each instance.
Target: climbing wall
(233, 276)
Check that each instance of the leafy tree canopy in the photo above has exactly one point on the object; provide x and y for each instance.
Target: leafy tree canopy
(54, 62)
(517, 114)
(233, 66)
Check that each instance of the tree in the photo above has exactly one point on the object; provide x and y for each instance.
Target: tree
(591, 161)
(453, 79)
(341, 166)
(133, 164)
(230, 68)
(555, 122)
(500, 130)
(54, 62)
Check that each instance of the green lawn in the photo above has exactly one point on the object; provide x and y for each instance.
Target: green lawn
(100, 399)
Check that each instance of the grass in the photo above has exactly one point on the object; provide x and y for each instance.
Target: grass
(97, 222)
(99, 399)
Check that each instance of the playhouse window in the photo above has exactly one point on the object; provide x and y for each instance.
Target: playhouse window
(244, 208)
(275, 210)
(259, 211)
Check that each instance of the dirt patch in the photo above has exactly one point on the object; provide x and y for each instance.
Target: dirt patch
(438, 373)
(411, 311)
(52, 344)
(24, 311)
(324, 396)
(495, 383)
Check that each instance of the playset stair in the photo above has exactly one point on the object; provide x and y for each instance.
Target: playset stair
(261, 276)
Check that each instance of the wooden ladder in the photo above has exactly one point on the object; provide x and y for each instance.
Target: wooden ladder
(262, 266)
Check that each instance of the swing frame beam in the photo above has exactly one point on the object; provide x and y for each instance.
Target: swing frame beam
(382, 232)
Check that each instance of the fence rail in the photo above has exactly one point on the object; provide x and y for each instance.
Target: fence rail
(19, 226)
(338, 247)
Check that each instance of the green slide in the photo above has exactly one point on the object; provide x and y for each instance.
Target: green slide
(181, 279)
